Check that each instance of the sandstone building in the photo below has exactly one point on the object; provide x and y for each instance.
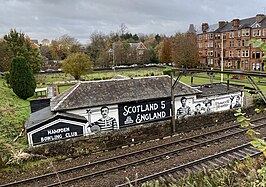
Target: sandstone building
(233, 38)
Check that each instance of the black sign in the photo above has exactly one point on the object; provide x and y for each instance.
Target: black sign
(140, 112)
(55, 132)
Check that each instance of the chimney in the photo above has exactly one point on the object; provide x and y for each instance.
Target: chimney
(235, 22)
(204, 27)
(221, 24)
(259, 17)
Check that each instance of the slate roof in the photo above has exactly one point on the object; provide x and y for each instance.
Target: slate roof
(217, 89)
(45, 114)
(98, 93)
(212, 28)
(244, 23)
(191, 29)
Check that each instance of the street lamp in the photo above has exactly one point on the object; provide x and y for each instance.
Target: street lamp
(111, 51)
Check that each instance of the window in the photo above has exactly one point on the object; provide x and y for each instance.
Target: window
(243, 42)
(238, 53)
(210, 36)
(256, 32)
(245, 32)
(243, 53)
(258, 66)
(264, 32)
(239, 43)
(231, 35)
(200, 45)
(246, 64)
(210, 61)
(257, 54)
(200, 37)
(231, 53)
(253, 54)
(231, 43)
(247, 43)
(210, 53)
(210, 44)
(247, 53)
(253, 66)
(238, 34)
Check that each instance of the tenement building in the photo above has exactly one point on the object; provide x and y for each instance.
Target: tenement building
(229, 42)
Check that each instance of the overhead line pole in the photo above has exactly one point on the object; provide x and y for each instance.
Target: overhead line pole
(222, 58)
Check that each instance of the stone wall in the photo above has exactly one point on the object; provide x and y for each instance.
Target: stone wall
(117, 138)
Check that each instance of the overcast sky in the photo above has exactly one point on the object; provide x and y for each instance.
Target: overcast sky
(79, 18)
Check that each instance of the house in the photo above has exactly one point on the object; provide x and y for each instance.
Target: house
(138, 47)
(98, 106)
(123, 53)
(229, 42)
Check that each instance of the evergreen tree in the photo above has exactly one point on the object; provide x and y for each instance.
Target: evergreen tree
(20, 45)
(21, 78)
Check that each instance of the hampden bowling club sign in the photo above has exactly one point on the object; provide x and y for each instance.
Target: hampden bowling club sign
(58, 131)
(140, 112)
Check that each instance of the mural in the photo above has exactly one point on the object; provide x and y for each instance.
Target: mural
(112, 117)
(139, 112)
(190, 106)
(102, 118)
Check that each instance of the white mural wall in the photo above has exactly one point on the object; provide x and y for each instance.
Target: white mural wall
(191, 106)
(106, 118)
(103, 118)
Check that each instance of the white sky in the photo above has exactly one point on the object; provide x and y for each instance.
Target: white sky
(79, 18)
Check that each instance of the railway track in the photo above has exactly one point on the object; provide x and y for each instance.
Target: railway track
(121, 162)
(214, 161)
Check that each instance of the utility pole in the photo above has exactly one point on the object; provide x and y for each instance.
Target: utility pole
(173, 102)
(222, 58)
(113, 56)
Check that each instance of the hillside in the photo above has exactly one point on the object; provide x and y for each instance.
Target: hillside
(13, 113)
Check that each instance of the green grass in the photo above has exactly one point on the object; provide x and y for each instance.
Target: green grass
(203, 79)
(63, 88)
(59, 78)
(13, 113)
(243, 173)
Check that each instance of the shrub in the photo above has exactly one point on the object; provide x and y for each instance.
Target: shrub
(21, 78)
(167, 71)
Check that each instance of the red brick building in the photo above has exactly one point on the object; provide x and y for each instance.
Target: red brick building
(233, 38)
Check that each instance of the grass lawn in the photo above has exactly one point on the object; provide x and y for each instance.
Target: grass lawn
(55, 78)
(64, 80)
(203, 79)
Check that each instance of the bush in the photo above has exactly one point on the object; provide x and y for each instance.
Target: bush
(167, 71)
(21, 78)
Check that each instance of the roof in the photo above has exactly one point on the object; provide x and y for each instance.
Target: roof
(191, 29)
(217, 89)
(138, 45)
(244, 23)
(45, 115)
(212, 28)
(106, 92)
